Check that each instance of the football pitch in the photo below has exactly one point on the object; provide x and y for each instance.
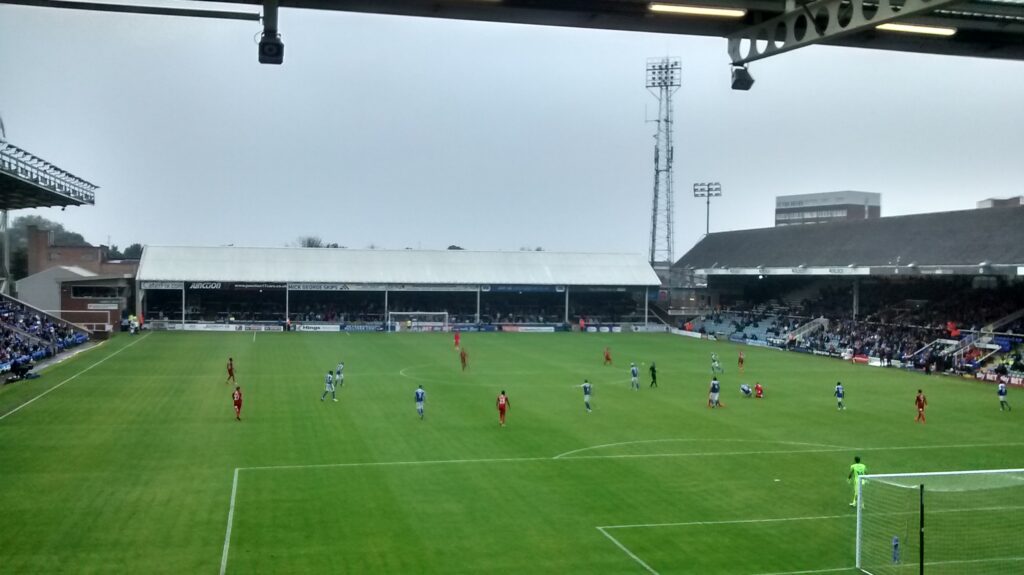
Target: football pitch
(132, 461)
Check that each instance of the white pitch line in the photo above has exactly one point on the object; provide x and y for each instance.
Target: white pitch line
(628, 552)
(16, 409)
(395, 463)
(809, 571)
(254, 337)
(761, 441)
(789, 451)
(730, 522)
(231, 520)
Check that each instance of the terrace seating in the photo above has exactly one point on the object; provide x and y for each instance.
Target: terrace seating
(28, 334)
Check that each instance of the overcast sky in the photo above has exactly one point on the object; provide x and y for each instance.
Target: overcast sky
(407, 132)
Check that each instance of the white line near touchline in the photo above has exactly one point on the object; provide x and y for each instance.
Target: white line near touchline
(15, 410)
(689, 440)
(231, 519)
(627, 551)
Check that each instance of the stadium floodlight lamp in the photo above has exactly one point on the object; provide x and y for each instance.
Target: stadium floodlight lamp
(689, 10)
(741, 78)
(915, 29)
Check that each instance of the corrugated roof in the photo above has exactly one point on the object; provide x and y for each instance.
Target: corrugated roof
(969, 237)
(329, 265)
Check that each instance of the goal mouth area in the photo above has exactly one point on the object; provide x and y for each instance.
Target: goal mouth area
(418, 321)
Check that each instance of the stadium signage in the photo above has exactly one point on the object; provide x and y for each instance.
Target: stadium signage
(163, 285)
(102, 306)
(318, 327)
(258, 286)
(204, 285)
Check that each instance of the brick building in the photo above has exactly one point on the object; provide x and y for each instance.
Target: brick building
(43, 255)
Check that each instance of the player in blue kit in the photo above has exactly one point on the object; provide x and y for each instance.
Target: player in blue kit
(634, 376)
(586, 394)
(713, 391)
(840, 393)
(746, 391)
(1002, 397)
(421, 397)
(329, 387)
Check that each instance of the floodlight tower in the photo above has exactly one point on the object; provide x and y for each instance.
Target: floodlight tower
(663, 80)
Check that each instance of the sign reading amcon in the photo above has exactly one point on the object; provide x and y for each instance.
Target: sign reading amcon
(814, 271)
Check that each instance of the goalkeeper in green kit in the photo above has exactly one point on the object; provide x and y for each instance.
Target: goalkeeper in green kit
(856, 470)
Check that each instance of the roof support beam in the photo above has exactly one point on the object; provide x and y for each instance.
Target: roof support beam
(820, 21)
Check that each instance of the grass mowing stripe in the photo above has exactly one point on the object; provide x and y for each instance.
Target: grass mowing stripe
(16, 409)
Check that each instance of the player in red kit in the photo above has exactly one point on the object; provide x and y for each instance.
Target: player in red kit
(463, 358)
(758, 390)
(740, 362)
(457, 337)
(921, 402)
(236, 397)
(607, 356)
(231, 371)
(503, 405)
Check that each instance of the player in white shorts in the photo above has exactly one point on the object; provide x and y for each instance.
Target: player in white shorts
(329, 387)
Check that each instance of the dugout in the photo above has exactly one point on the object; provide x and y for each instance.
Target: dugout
(969, 252)
(215, 287)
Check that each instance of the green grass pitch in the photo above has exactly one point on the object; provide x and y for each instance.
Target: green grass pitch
(132, 464)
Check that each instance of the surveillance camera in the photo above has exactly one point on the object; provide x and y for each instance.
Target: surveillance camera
(271, 48)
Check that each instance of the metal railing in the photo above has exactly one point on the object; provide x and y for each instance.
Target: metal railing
(22, 164)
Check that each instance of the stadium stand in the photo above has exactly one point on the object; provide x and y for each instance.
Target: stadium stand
(29, 335)
(193, 288)
(939, 291)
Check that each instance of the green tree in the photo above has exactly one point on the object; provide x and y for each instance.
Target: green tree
(133, 252)
(19, 240)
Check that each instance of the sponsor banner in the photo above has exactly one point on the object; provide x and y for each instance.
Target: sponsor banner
(163, 285)
(685, 333)
(234, 286)
(652, 328)
(363, 328)
(991, 377)
(102, 306)
(816, 271)
(528, 328)
(522, 288)
(757, 342)
(170, 326)
(737, 338)
(431, 287)
(316, 327)
(248, 286)
(710, 337)
(261, 327)
(860, 358)
(202, 327)
(600, 289)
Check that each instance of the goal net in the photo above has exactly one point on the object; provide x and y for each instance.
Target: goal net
(943, 523)
(417, 321)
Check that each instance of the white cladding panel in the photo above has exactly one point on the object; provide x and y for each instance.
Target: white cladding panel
(334, 265)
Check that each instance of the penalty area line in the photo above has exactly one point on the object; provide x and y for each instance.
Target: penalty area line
(625, 549)
(73, 377)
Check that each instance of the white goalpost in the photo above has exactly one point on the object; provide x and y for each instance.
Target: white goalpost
(943, 523)
(420, 321)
